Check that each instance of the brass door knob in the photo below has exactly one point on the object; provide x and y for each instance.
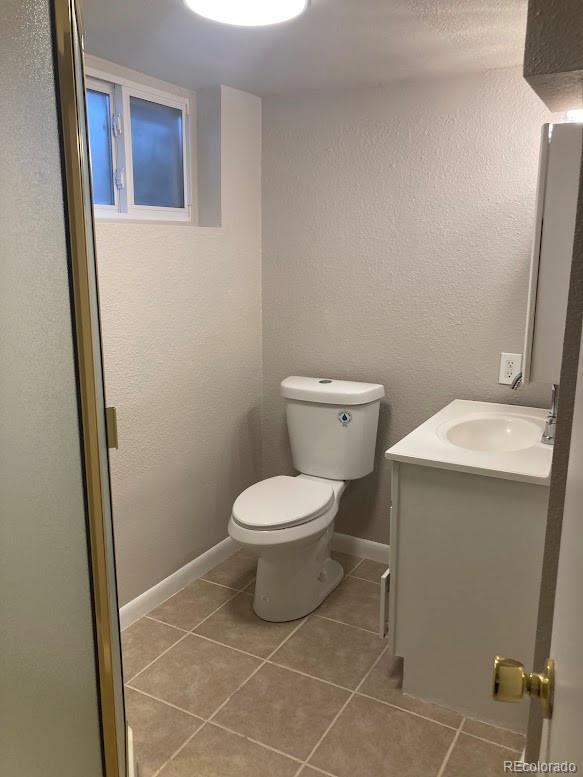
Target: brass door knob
(512, 682)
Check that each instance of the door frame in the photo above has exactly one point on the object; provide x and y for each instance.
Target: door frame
(67, 37)
(568, 385)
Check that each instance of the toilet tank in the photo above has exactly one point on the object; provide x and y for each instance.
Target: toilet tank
(332, 425)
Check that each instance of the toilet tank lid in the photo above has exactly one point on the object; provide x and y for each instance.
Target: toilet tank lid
(331, 392)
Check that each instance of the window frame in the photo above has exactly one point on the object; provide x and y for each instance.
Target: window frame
(122, 89)
(104, 87)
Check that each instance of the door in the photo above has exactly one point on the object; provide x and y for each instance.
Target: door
(88, 357)
(562, 739)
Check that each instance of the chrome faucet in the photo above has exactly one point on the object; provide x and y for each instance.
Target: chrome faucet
(550, 429)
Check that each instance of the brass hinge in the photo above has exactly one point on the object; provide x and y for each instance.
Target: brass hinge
(111, 427)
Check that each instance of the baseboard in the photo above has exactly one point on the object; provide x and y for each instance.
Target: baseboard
(142, 604)
(131, 759)
(166, 588)
(356, 546)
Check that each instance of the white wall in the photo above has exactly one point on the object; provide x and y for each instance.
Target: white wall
(181, 316)
(49, 710)
(397, 230)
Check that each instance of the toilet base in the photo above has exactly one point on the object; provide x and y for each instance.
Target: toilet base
(292, 581)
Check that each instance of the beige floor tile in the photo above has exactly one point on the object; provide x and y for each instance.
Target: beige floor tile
(144, 641)
(236, 625)
(159, 730)
(217, 753)
(472, 758)
(331, 651)
(500, 736)
(355, 602)
(348, 562)
(371, 570)
(384, 683)
(190, 606)
(196, 675)
(283, 709)
(236, 571)
(370, 739)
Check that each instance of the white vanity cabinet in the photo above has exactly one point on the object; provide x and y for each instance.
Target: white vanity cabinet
(556, 211)
(467, 539)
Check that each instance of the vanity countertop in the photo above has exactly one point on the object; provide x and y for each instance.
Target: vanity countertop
(495, 440)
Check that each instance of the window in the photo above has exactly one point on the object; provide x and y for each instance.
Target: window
(139, 150)
(99, 115)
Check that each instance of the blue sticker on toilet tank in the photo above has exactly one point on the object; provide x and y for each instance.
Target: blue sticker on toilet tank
(345, 417)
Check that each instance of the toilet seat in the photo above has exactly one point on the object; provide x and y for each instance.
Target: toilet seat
(281, 502)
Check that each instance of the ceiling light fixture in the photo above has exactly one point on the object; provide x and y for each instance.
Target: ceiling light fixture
(576, 115)
(248, 13)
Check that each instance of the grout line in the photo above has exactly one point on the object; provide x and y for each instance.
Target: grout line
(255, 741)
(221, 585)
(358, 563)
(494, 726)
(163, 653)
(364, 579)
(273, 663)
(310, 676)
(179, 750)
(491, 741)
(220, 607)
(450, 749)
(404, 709)
(341, 710)
(261, 665)
(167, 703)
(183, 637)
(342, 623)
(321, 771)
(163, 623)
(226, 645)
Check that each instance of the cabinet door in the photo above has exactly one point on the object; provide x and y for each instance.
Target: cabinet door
(558, 190)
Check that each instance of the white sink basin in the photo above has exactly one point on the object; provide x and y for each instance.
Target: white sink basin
(495, 433)
(483, 438)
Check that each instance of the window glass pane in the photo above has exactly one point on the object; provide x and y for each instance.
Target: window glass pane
(157, 154)
(98, 120)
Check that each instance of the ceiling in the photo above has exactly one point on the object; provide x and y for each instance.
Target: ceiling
(337, 43)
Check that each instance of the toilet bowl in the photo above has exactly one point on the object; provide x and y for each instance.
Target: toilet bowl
(288, 521)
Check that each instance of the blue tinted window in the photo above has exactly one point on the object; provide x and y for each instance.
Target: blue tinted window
(157, 154)
(98, 120)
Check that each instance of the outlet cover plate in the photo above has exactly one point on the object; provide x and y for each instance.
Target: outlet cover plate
(510, 367)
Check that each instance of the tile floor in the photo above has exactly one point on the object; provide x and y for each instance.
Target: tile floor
(213, 691)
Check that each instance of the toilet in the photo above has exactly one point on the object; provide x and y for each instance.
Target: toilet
(288, 521)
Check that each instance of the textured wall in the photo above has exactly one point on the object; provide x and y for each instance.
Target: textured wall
(397, 230)
(181, 315)
(49, 716)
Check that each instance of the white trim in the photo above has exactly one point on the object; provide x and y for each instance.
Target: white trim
(356, 546)
(175, 582)
(131, 765)
(166, 96)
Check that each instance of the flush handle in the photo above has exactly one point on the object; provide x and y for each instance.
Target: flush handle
(512, 683)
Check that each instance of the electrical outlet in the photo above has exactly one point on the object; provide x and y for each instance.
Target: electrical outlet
(510, 367)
